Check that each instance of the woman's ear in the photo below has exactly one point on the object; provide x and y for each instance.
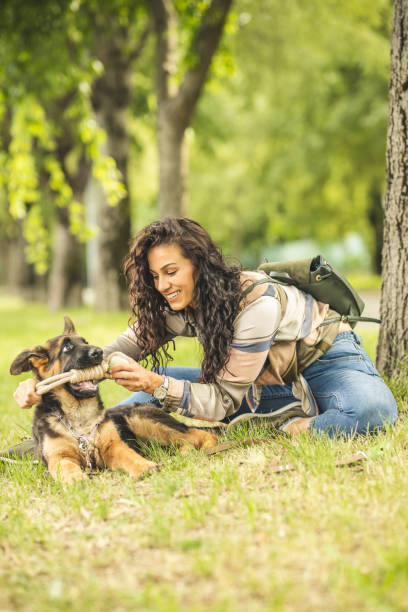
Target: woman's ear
(29, 359)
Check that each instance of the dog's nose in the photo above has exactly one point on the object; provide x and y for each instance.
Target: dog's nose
(95, 353)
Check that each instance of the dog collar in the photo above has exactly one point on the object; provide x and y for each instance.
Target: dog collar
(84, 441)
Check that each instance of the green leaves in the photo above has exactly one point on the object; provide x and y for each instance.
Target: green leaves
(21, 173)
(288, 140)
(37, 237)
(291, 144)
(107, 173)
(31, 153)
(46, 76)
(104, 167)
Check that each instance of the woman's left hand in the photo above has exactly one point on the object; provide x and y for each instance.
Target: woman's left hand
(134, 377)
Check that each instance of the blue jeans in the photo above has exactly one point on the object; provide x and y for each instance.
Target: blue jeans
(351, 395)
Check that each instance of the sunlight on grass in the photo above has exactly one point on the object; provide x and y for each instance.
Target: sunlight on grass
(222, 532)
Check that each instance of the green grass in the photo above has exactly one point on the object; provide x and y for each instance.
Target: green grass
(365, 282)
(221, 533)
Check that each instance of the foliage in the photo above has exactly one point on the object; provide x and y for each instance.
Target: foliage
(292, 144)
(289, 137)
(51, 99)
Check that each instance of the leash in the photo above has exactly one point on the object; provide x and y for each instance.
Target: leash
(98, 372)
(224, 446)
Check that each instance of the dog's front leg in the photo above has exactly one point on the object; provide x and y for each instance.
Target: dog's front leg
(66, 470)
(63, 460)
(117, 455)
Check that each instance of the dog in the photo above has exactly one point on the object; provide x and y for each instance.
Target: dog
(71, 430)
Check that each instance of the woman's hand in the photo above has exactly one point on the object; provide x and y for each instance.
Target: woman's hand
(25, 394)
(134, 377)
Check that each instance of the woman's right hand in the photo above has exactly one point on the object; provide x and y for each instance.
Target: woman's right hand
(25, 394)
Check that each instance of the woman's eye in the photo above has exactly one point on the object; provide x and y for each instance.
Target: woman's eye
(172, 273)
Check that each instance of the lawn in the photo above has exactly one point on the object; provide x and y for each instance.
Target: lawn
(220, 533)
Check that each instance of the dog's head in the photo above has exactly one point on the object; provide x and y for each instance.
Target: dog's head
(61, 354)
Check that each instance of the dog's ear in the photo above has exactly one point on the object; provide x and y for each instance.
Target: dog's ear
(27, 360)
(69, 326)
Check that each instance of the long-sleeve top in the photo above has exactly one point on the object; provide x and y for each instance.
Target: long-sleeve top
(272, 320)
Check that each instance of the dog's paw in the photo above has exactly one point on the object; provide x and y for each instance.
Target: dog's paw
(71, 479)
(144, 469)
(206, 440)
(209, 441)
(186, 448)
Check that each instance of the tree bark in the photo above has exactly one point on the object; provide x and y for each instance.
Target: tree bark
(16, 274)
(67, 274)
(176, 104)
(173, 166)
(393, 341)
(376, 220)
(111, 98)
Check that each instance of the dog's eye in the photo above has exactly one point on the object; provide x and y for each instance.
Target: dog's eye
(67, 347)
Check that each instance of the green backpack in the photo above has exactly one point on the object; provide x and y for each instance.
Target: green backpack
(317, 277)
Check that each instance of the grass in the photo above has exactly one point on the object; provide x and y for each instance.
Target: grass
(224, 533)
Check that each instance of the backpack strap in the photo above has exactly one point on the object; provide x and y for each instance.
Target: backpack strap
(282, 297)
(283, 300)
(350, 319)
(252, 286)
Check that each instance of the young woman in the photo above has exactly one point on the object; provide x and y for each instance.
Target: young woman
(264, 354)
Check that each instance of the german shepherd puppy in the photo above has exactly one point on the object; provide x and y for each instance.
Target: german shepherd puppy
(70, 428)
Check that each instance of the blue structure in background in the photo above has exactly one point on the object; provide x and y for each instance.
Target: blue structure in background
(349, 254)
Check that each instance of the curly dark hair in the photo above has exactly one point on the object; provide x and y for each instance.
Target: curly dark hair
(216, 296)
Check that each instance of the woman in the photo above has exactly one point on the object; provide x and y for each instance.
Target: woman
(263, 354)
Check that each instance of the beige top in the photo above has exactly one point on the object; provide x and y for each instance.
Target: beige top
(272, 323)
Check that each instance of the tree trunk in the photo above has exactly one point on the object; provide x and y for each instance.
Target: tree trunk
(173, 166)
(67, 274)
(376, 220)
(16, 274)
(67, 278)
(176, 104)
(111, 99)
(393, 340)
(112, 246)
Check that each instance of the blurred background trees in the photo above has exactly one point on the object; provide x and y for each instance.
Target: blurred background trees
(263, 120)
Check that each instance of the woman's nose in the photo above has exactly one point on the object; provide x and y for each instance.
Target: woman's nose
(162, 283)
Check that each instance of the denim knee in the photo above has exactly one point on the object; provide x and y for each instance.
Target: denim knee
(379, 412)
(366, 414)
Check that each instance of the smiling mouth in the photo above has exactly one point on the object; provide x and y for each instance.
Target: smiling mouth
(172, 296)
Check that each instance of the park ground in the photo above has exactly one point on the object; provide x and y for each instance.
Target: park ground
(222, 533)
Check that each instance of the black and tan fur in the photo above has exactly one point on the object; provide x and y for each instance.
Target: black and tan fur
(115, 442)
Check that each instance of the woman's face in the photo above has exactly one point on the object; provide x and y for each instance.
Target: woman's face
(173, 275)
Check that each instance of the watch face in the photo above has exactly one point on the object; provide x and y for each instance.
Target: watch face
(160, 393)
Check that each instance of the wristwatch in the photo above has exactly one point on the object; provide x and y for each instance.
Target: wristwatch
(160, 392)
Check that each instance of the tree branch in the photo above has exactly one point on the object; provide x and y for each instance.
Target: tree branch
(204, 46)
(165, 24)
(135, 54)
